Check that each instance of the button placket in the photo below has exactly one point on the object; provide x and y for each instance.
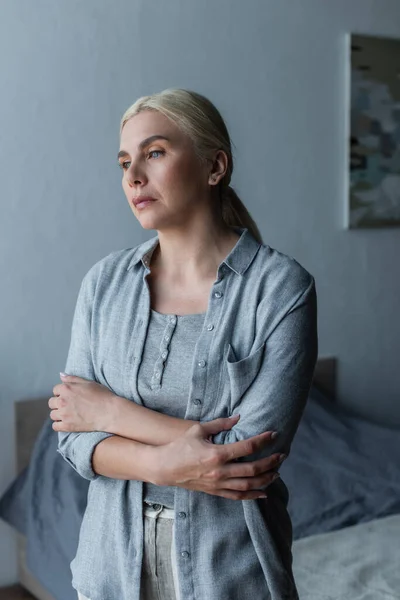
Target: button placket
(217, 294)
(164, 350)
(196, 405)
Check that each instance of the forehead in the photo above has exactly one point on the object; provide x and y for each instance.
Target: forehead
(146, 124)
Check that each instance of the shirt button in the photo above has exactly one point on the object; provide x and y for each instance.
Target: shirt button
(185, 554)
(166, 338)
(197, 401)
(210, 327)
(173, 319)
(202, 363)
(164, 354)
(182, 515)
(157, 506)
(157, 374)
(218, 294)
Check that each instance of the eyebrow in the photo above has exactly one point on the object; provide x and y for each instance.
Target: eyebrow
(144, 143)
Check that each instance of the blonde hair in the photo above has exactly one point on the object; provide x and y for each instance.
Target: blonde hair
(197, 117)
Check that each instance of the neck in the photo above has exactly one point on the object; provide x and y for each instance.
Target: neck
(193, 253)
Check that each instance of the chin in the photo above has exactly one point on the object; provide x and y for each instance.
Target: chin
(148, 222)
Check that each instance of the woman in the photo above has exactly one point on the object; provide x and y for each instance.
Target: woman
(189, 367)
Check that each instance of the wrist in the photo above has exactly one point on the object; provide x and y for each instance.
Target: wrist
(153, 464)
(111, 413)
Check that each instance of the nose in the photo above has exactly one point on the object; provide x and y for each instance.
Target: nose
(135, 175)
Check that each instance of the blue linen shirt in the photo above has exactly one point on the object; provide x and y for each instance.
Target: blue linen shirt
(255, 356)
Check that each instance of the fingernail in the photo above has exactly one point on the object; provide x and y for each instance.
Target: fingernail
(282, 457)
(274, 435)
(235, 417)
(262, 496)
(63, 374)
(275, 476)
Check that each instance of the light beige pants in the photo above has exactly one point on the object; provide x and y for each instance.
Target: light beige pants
(159, 578)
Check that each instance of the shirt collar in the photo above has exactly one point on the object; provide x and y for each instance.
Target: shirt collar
(238, 259)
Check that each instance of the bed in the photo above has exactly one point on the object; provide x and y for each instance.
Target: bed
(343, 477)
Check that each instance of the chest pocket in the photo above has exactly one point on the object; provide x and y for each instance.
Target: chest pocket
(241, 373)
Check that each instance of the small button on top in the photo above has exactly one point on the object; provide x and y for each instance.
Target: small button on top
(218, 294)
(182, 515)
(185, 554)
(158, 374)
(166, 338)
(210, 327)
(173, 319)
(157, 506)
(197, 401)
(202, 363)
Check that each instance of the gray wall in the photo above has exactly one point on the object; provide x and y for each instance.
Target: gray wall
(277, 71)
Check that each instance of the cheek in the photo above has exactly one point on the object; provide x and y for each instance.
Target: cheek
(183, 176)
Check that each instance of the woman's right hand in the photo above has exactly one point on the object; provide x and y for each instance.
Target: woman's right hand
(191, 461)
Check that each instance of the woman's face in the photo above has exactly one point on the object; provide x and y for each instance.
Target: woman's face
(159, 162)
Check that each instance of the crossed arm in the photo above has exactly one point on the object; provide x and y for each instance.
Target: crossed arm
(89, 406)
(128, 441)
(153, 447)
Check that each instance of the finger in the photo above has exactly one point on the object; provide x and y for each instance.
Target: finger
(57, 389)
(58, 426)
(71, 378)
(54, 415)
(245, 484)
(252, 468)
(216, 425)
(246, 447)
(53, 402)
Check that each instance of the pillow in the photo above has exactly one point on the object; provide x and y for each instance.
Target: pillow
(341, 470)
(14, 502)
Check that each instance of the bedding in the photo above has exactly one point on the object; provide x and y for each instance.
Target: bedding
(360, 562)
(342, 471)
(13, 503)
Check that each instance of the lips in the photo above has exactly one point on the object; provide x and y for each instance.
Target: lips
(142, 201)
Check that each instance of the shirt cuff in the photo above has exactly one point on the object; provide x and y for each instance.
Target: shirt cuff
(77, 449)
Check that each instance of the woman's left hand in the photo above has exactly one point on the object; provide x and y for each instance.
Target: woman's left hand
(80, 405)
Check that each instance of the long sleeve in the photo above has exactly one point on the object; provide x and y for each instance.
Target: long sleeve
(276, 398)
(77, 448)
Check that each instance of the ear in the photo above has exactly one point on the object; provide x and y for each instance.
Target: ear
(219, 167)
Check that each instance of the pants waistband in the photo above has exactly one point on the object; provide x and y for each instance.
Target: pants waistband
(157, 510)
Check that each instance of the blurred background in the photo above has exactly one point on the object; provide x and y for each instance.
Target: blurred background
(278, 72)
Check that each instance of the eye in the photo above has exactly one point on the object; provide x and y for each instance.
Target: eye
(122, 165)
(156, 152)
